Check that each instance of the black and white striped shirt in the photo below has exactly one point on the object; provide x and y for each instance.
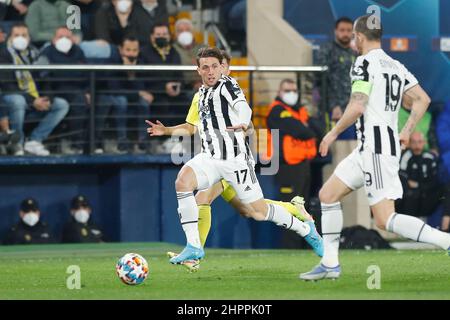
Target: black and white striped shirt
(218, 109)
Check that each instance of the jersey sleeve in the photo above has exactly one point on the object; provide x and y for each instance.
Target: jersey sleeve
(361, 77)
(192, 116)
(410, 80)
(232, 92)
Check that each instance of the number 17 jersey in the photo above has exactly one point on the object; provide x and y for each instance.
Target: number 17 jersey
(384, 80)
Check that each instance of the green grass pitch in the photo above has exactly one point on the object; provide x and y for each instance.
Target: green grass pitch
(39, 272)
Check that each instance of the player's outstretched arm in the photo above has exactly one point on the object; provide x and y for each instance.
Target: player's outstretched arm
(420, 102)
(355, 108)
(159, 129)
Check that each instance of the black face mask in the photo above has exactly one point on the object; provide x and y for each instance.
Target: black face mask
(161, 42)
(131, 59)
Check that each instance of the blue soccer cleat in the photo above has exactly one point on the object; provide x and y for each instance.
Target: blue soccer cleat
(189, 253)
(321, 272)
(314, 239)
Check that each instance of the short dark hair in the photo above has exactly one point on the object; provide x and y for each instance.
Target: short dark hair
(19, 24)
(344, 20)
(157, 25)
(128, 37)
(287, 80)
(226, 56)
(209, 52)
(374, 32)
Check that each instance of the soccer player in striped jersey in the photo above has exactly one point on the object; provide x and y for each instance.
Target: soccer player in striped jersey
(204, 198)
(378, 85)
(223, 118)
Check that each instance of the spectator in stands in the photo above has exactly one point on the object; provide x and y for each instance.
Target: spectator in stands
(42, 29)
(21, 93)
(339, 57)
(419, 176)
(2, 38)
(88, 10)
(122, 17)
(443, 137)
(30, 229)
(15, 10)
(80, 228)
(187, 48)
(298, 135)
(73, 88)
(167, 86)
(127, 91)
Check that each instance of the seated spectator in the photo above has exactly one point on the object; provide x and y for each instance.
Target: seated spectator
(419, 176)
(21, 94)
(55, 13)
(63, 50)
(187, 48)
(167, 86)
(80, 228)
(15, 10)
(126, 89)
(30, 229)
(122, 17)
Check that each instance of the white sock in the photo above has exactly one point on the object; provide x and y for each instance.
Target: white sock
(415, 229)
(332, 222)
(188, 213)
(282, 218)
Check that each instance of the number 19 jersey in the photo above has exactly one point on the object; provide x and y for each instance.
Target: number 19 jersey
(384, 80)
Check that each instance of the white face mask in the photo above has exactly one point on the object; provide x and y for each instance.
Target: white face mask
(30, 218)
(123, 5)
(20, 43)
(63, 44)
(185, 38)
(290, 98)
(81, 216)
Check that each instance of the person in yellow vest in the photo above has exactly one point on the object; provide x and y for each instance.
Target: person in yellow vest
(297, 144)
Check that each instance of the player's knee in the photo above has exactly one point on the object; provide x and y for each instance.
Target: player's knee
(204, 197)
(327, 196)
(182, 183)
(380, 223)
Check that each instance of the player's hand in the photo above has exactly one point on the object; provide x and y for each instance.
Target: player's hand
(326, 143)
(240, 127)
(404, 140)
(156, 129)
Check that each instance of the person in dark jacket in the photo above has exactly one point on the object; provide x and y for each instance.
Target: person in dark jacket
(167, 87)
(297, 145)
(73, 86)
(30, 229)
(80, 228)
(125, 91)
(419, 177)
(22, 93)
(119, 18)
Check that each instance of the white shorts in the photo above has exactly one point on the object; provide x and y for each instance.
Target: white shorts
(238, 172)
(378, 173)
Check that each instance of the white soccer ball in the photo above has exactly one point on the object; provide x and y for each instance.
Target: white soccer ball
(132, 269)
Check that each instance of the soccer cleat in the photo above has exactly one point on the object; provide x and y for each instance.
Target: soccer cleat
(314, 239)
(191, 265)
(321, 272)
(189, 253)
(299, 203)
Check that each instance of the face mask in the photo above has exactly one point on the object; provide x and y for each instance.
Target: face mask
(63, 44)
(290, 98)
(161, 42)
(81, 216)
(30, 218)
(20, 43)
(123, 5)
(185, 38)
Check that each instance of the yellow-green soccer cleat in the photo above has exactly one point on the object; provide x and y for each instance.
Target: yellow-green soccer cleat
(190, 265)
(299, 203)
